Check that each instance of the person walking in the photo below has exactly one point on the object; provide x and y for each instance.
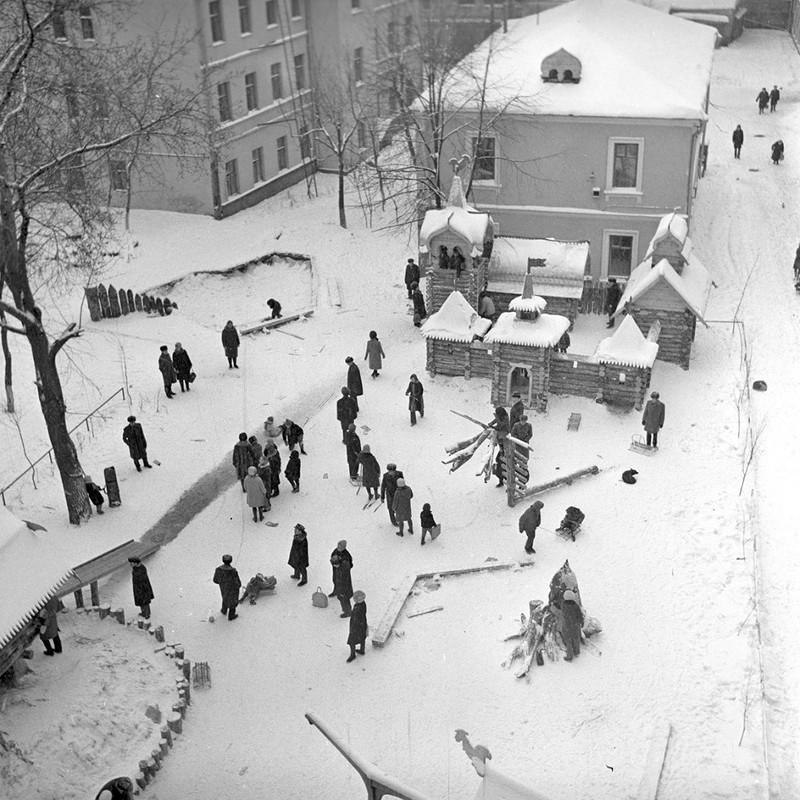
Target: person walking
(133, 436)
(389, 487)
(183, 367)
(230, 341)
(354, 383)
(738, 141)
(95, 493)
(340, 551)
(275, 308)
(357, 634)
(352, 444)
(762, 98)
(571, 625)
(613, 295)
(420, 312)
(528, 523)
(243, 458)
(401, 505)
(653, 419)
(777, 152)
(374, 353)
(346, 412)
(774, 96)
(167, 370)
(411, 276)
(227, 578)
(370, 472)
(292, 471)
(415, 401)
(142, 590)
(426, 522)
(298, 555)
(293, 435)
(256, 493)
(48, 627)
(342, 583)
(274, 458)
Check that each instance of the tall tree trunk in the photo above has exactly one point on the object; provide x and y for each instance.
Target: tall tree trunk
(9, 383)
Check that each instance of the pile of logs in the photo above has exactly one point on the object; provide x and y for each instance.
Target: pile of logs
(109, 303)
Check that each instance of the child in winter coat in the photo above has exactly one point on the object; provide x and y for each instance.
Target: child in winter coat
(95, 493)
(426, 522)
(292, 471)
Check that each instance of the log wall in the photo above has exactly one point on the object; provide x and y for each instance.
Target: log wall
(574, 375)
(471, 360)
(677, 332)
(580, 377)
(536, 360)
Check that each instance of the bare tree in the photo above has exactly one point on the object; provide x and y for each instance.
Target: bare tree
(66, 107)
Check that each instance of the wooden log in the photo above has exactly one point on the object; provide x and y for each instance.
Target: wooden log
(175, 722)
(381, 634)
(187, 669)
(425, 611)
(119, 615)
(129, 295)
(123, 302)
(158, 632)
(152, 766)
(144, 771)
(95, 593)
(93, 303)
(268, 324)
(105, 610)
(102, 296)
(155, 754)
(166, 734)
(78, 595)
(179, 708)
(113, 301)
(141, 780)
(471, 419)
(137, 301)
(183, 686)
(163, 746)
(140, 622)
(568, 479)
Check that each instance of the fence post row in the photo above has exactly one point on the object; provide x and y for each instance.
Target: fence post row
(105, 303)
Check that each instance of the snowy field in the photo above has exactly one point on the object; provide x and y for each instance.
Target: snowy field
(669, 566)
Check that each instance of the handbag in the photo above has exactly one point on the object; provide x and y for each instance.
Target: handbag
(319, 599)
(192, 377)
(435, 531)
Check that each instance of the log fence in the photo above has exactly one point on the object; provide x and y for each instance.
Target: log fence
(109, 303)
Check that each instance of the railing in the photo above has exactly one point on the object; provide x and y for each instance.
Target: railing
(49, 453)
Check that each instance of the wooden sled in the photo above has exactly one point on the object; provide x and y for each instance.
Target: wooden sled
(639, 445)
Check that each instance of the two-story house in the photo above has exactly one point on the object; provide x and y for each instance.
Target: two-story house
(585, 122)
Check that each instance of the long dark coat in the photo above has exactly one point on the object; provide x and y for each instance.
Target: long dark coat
(292, 434)
(133, 436)
(353, 448)
(738, 137)
(371, 470)
(230, 340)
(48, 615)
(515, 412)
(243, 458)
(342, 583)
(292, 471)
(298, 554)
(573, 621)
(374, 354)
(265, 473)
(182, 363)
(358, 624)
(531, 518)
(354, 380)
(275, 466)
(401, 504)
(613, 295)
(414, 392)
(653, 416)
(167, 368)
(142, 590)
(419, 303)
(117, 787)
(412, 273)
(346, 410)
(227, 578)
(389, 484)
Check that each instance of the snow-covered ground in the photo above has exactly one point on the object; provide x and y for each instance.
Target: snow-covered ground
(668, 565)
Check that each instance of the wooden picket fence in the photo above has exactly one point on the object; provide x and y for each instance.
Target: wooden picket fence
(107, 303)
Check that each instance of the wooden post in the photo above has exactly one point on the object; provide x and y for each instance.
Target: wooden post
(123, 302)
(166, 734)
(105, 610)
(78, 594)
(178, 650)
(510, 472)
(179, 708)
(159, 633)
(141, 780)
(137, 301)
(102, 296)
(167, 306)
(131, 307)
(568, 479)
(160, 306)
(175, 722)
(94, 593)
(113, 301)
(187, 669)
(93, 302)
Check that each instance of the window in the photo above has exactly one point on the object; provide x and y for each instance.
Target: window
(71, 99)
(251, 91)
(408, 30)
(283, 156)
(224, 101)
(277, 82)
(391, 36)
(484, 169)
(74, 179)
(59, 24)
(300, 71)
(305, 142)
(272, 13)
(625, 164)
(619, 252)
(87, 25)
(119, 175)
(215, 15)
(258, 164)
(358, 64)
(361, 134)
(231, 177)
(245, 24)
(297, 10)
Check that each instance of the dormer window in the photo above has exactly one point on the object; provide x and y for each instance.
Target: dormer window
(552, 76)
(561, 67)
(568, 76)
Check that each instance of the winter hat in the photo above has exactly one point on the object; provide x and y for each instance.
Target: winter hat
(227, 559)
(655, 395)
(410, 260)
(252, 439)
(251, 470)
(391, 466)
(131, 419)
(365, 448)
(415, 285)
(299, 530)
(516, 394)
(348, 360)
(342, 543)
(400, 483)
(351, 426)
(629, 476)
(426, 507)
(570, 595)
(178, 346)
(164, 348)
(538, 504)
(242, 437)
(345, 391)
(359, 596)
(134, 560)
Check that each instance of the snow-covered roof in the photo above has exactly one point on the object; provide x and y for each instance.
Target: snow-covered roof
(466, 222)
(455, 321)
(674, 225)
(627, 346)
(636, 62)
(704, 5)
(692, 285)
(544, 331)
(31, 572)
(536, 304)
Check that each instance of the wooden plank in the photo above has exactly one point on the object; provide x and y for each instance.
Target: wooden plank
(568, 479)
(654, 765)
(267, 324)
(401, 593)
(425, 611)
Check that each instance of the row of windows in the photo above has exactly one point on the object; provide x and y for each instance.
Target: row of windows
(251, 87)
(246, 18)
(232, 185)
(59, 23)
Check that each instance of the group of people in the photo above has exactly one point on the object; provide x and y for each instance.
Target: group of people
(765, 98)
(176, 368)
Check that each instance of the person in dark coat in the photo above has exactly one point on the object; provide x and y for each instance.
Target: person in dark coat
(298, 555)
(563, 343)
(777, 152)
(457, 261)
(352, 444)
(357, 635)
(346, 412)
(528, 523)
(342, 583)
(265, 473)
(389, 487)
(142, 590)
(275, 308)
(183, 366)
(374, 353)
(292, 471)
(95, 493)
(401, 505)
(444, 257)
(796, 265)
(340, 551)
(48, 627)
(354, 383)
(486, 307)
(370, 472)
(256, 447)
(523, 430)
(426, 522)
(613, 295)
(167, 370)
(227, 578)
(738, 141)
(774, 96)
(412, 276)
(243, 458)
(256, 494)
(416, 403)
(653, 419)
(516, 411)
(133, 436)
(420, 312)
(571, 624)
(293, 435)
(230, 341)
(762, 98)
(116, 789)
(502, 424)
(274, 458)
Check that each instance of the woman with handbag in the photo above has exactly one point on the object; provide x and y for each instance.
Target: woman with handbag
(183, 366)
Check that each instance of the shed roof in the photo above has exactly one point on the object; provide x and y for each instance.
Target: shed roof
(627, 346)
(455, 321)
(465, 222)
(675, 225)
(544, 331)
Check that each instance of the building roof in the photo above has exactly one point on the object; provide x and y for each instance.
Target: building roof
(636, 62)
(455, 321)
(675, 225)
(693, 285)
(544, 331)
(535, 304)
(627, 346)
(466, 222)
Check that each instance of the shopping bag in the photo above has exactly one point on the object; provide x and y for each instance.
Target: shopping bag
(435, 531)
(192, 377)
(319, 598)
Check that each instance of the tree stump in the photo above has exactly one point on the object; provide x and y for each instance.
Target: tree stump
(187, 669)
(179, 708)
(163, 746)
(184, 692)
(175, 722)
(140, 622)
(104, 610)
(178, 650)
(155, 754)
(145, 771)
(158, 632)
(152, 766)
(166, 735)
(141, 780)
